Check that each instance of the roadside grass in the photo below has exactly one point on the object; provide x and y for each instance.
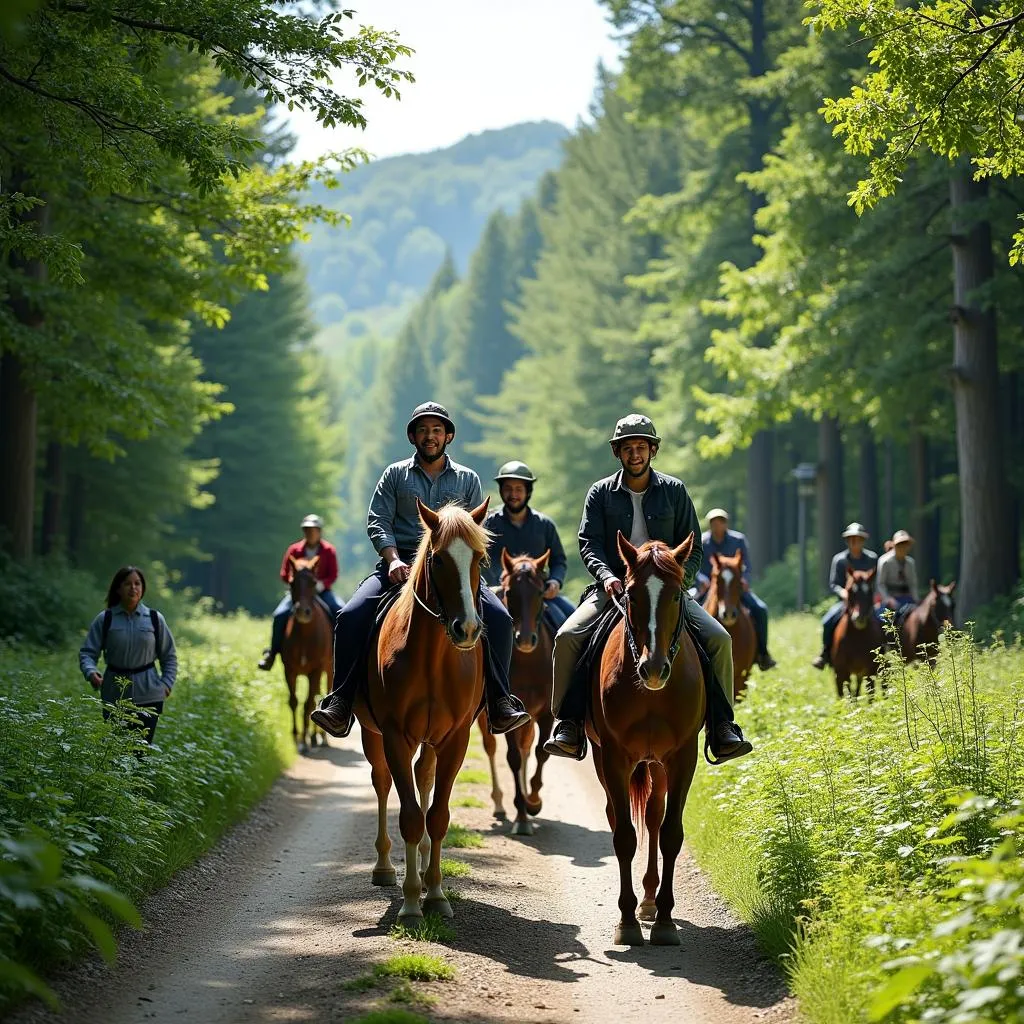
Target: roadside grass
(415, 967)
(91, 820)
(454, 868)
(467, 801)
(876, 848)
(474, 777)
(461, 838)
(431, 928)
(391, 1017)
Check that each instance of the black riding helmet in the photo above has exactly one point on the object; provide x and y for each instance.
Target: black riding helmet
(430, 409)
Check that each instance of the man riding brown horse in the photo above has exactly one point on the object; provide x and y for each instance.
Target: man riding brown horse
(394, 527)
(520, 530)
(312, 546)
(645, 506)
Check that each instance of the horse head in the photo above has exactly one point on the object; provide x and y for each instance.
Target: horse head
(654, 608)
(943, 602)
(523, 581)
(727, 581)
(860, 593)
(453, 546)
(302, 583)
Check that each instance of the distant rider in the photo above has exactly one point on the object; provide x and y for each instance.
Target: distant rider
(718, 539)
(897, 574)
(312, 545)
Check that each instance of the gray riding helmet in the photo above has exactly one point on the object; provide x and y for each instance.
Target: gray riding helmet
(313, 520)
(635, 425)
(516, 470)
(430, 409)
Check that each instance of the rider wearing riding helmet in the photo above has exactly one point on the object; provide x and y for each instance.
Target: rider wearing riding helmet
(520, 530)
(644, 505)
(394, 528)
(312, 545)
(856, 558)
(718, 539)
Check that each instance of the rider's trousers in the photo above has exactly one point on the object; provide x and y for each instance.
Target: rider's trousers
(284, 610)
(572, 638)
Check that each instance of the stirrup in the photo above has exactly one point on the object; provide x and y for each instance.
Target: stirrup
(745, 747)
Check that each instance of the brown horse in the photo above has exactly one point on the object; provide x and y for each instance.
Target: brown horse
(725, 603)
(920, 629)
(858, 639)
(522, 589)
(425, 689)
(307, 648)
(647, 711)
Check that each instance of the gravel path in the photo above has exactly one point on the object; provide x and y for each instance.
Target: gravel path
(273, 922)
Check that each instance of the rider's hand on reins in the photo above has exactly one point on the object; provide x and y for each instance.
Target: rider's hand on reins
(398, 571)
(613, 587)
(96, 680)
(551, 589)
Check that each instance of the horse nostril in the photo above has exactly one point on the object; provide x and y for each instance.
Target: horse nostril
(534, 639)
(642, 669)
(666, 671)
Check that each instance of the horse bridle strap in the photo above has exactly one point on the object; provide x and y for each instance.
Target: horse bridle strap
(673, 647)
(441, 614)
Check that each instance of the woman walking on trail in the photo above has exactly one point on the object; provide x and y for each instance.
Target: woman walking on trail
(132, 638)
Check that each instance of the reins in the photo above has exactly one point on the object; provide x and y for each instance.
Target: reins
(441, 615)
(627, 628)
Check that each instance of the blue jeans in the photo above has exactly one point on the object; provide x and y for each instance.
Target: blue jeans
(758, 614)
(284, 609)
(355, 624)
(830, 620)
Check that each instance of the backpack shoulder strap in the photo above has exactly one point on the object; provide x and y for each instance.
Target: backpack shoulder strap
(154, 617)
(108, 616)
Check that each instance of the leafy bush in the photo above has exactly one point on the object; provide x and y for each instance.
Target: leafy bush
(1002, 617)
(777, 586)
(113, 815)
(46, 603)
(874, 845)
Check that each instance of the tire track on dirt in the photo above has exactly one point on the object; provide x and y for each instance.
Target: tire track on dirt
(270, 925)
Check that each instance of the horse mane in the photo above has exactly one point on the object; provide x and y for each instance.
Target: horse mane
(657, 558)
(455, 523)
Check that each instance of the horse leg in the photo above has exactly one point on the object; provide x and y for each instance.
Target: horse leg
(653, 817)
(425, 766)
(308, 733)
(599, 769)
(293, 702)
(841, 679)
(373, 747)
(618, 768)
(449, 760)
(491, 749)
(679, 774)
(544, 725)
(514, 756)
(399, 752)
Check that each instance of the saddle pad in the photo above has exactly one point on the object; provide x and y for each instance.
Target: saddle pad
(384, 605)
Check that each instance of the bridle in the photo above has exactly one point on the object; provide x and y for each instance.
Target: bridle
(441, 615)
(627, 627)
(524, 572)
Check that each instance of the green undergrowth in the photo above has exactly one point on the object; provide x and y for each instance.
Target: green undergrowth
(474, 777)
(461, 838)
(90, 820)
(391, 1017)
(454, 868)
(430, 928)
(415, 967)
(876, 847)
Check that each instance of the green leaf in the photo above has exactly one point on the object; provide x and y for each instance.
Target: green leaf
(898, 989)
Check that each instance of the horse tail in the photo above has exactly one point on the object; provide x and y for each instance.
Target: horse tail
(641, 786)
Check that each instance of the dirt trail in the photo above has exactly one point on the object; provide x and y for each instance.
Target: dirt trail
(270, 925)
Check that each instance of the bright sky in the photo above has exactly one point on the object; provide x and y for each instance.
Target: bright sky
(478, 64)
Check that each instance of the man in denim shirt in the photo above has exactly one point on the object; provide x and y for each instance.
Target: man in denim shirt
(394, 528)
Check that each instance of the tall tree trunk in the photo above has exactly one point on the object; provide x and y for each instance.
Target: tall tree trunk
(19, 411)
(53, 498)
(1015, 434)
(76, 517)
(889, 525)
(760, 488)
(868, 480)
(986, 565)
(830, 494)
(921, 519)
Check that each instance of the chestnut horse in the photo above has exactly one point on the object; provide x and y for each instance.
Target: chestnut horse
(921, 627)
(647, 709)
(307, 648)
(522, 591)
(858, 639)
(425, 689)
(725, 603)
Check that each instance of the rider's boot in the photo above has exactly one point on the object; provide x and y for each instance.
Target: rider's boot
(568, 739)
(822, 659)
(277, 629)
(722, 735)
(765, 661)
(267, 661)
(334, 714)
(505, 711)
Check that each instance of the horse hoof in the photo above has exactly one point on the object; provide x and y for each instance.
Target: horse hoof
(629, 934)
(665, 933)
(522, 828)
(410, 913)
(500, 815)
(303, 748)
(385, 876)
(647, 911)
(438, 905)
(533, 807)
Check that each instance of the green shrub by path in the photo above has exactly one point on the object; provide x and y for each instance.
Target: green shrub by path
(429, 928)
(72, 783)
(454, 868)
(415, 967)
(461, 838)
(890, 831)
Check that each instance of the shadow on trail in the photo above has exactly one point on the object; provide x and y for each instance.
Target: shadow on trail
(586, 847)
(726, 959)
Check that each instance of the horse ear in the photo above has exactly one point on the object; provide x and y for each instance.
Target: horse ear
(683, 552)
(428, 516)
(951, 587)
(933, 585)
(715, 560)
(506, 561)
(626, 550)
(480, 511)
(542, 562)
(312, 562)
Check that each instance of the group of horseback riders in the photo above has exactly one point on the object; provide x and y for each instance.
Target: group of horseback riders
(638, 501)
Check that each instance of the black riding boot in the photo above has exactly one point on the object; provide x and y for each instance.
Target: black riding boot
(505, 711)
(569, 735)
(722, 735)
